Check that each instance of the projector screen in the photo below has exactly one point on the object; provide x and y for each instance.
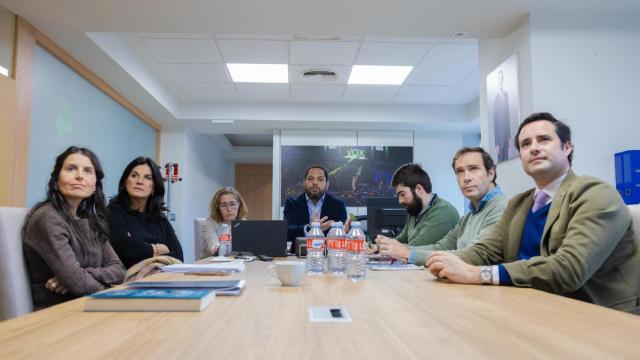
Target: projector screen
(355, 172)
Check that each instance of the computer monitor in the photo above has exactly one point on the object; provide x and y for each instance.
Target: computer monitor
(384, 216)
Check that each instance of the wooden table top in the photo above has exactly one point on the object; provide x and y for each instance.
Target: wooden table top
(402, 315)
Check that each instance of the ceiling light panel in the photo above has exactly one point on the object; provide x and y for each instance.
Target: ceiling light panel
(259, 73)
(378, 75)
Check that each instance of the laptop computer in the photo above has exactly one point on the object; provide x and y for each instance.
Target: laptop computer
(260, 237)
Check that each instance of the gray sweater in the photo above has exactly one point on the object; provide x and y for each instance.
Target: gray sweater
(471, 228)
(51, 249)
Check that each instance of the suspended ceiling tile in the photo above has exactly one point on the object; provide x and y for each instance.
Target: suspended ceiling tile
(323, 52)
(198, 72)
(184, 50)
(254, 51)
(397, 54)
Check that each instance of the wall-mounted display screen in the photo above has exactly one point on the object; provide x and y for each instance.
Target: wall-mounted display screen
(355, 172)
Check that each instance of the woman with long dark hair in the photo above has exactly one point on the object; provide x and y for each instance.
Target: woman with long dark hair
(139, 228)
(64, 237)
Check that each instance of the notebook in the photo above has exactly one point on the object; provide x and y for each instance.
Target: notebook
(260, 237)
(143, 299)
(221, 287)
(220, 267)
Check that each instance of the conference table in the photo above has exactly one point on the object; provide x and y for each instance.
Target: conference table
(395, 315)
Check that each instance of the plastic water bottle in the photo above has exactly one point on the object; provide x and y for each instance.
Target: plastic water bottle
(336, 250)
(357, 258)
(225, 240)
(315, 250)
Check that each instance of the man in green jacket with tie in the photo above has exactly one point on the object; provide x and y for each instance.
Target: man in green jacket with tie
(570, 235)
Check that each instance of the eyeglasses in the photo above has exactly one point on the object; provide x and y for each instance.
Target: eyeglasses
(231, 205)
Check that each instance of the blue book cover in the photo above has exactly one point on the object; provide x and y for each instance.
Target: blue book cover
(201, 284)
(156, 293)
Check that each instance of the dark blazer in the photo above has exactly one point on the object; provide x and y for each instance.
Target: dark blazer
(296, 213)
(588, 251)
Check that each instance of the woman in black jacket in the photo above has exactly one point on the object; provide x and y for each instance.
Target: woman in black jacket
(139, 228)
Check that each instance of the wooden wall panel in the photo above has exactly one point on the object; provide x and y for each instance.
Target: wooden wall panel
(253, 181)
(7, 140)
(17, 155)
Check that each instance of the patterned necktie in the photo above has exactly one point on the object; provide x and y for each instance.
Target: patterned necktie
(539, 201)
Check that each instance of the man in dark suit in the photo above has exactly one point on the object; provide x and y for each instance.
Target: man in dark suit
(315, 204)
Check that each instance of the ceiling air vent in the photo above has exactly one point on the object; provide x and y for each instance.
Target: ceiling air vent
(319, 75)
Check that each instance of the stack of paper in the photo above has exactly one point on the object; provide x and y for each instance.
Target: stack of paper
(396, 267)
(221, 287)
(224, 267)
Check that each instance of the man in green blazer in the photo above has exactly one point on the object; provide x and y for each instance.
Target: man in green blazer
(429, 217)
(569, 235)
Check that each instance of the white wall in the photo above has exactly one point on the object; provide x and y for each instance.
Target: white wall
(434, 152)
(581, 68)
(491, 53)
(586, 73)
(203, 170)
(173, 150)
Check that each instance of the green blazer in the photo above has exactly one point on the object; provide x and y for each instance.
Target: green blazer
(588, 251)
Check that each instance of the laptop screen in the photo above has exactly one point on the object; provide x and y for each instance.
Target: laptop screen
(259, 237)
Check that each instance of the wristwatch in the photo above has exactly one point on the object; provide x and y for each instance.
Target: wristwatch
(486, 275)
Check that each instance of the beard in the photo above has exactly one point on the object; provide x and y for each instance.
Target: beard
(415, 206)
(314, 196)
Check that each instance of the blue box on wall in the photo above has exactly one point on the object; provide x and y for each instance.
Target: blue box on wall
(628, 176)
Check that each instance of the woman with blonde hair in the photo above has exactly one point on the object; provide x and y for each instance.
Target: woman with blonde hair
(226, 205)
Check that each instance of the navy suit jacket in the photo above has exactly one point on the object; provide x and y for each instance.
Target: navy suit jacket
(296, 213)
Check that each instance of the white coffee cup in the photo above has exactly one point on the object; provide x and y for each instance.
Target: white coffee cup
(288, 272)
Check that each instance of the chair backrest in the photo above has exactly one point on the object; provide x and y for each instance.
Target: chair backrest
(199, 224)
(635, 218)
(15, 288)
